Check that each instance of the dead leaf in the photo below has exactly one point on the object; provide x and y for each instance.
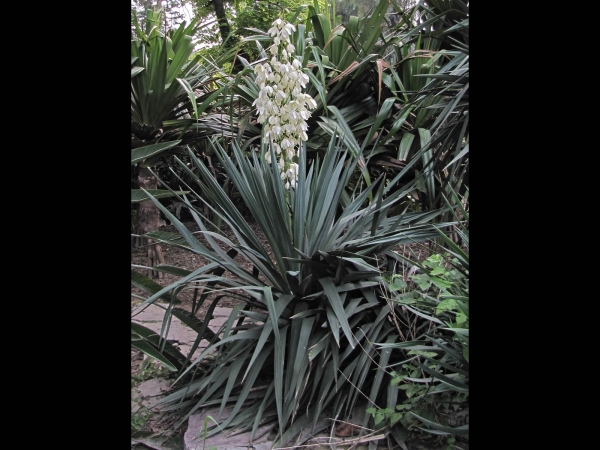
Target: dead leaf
(346, 430)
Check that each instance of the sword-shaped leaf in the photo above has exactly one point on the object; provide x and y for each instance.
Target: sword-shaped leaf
(138, 195)
(149, 342)
(147, 151)
(338, 308)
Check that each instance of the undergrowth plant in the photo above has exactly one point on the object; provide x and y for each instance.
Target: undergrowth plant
(431, 309)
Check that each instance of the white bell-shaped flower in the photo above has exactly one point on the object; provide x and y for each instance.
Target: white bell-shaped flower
(281, 105)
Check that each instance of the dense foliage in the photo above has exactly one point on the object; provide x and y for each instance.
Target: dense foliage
(333, 313)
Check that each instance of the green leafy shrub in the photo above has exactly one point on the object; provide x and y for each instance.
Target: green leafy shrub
(432, 308)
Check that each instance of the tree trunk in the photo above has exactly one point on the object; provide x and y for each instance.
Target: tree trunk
(221, 18)
(148, 219)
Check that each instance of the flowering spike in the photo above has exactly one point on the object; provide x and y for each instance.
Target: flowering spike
(281, 105)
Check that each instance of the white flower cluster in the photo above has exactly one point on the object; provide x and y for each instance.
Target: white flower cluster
(281, 104)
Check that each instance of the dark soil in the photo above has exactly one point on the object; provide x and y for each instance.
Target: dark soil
(178, 257)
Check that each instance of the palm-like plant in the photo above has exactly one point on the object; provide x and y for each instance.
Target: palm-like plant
(417, 98)
(160, 90)
(431, 81)
(165, 112)
(163, 76)
(313, 298)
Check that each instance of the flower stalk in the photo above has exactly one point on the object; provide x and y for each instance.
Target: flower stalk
(281, 105)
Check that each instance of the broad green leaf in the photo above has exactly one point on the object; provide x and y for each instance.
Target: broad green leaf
(150, 286)
(446, 305)
(336, 303)
(149, 342)
(153, 352)
(199, 326)
(462, 430)
(138, 195)
(186, 86)
(141, 153)
(136, 70)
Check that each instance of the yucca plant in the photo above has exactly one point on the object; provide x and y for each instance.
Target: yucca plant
(172, 96)
(430, 79)
(418, 96)
(300, 341)
(162, 81)
(173, 90)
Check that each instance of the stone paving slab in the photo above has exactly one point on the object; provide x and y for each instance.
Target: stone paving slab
(179, 334)
(194, 436)
(147, 392)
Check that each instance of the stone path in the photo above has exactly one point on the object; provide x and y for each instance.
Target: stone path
(180, 335)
